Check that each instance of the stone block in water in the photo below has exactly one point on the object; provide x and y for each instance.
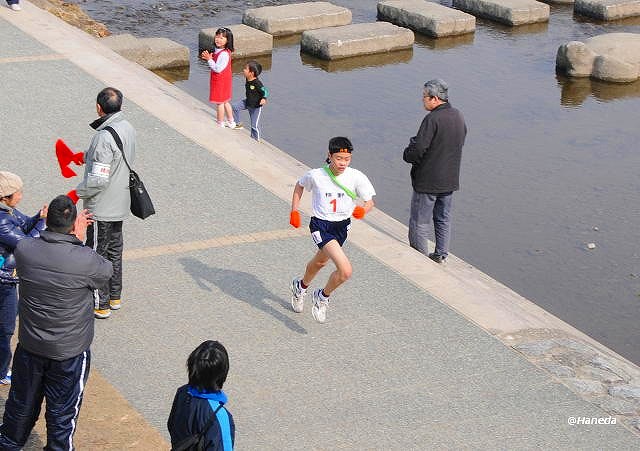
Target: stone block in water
(285, 20)
(357, 39)
(431, 19)
(509, 12)
(150, 53)
(613, 57)
(607, 9)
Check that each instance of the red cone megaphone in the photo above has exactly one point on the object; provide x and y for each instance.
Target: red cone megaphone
(66, 156)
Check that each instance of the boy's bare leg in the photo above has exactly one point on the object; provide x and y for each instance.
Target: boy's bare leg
(314, 266)
(343, 270)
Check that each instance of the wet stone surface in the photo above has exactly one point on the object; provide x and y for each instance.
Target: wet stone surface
(74, 15)
(557, 369)
(606, 380)
(585, 387)
(625, 391)
(601, 375)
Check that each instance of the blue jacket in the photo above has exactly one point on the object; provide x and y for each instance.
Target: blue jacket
(14, 226)
(191, 412)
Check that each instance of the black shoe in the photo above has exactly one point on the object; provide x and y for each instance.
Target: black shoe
(437, 258)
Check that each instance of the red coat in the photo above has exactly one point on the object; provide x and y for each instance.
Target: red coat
(220, 83)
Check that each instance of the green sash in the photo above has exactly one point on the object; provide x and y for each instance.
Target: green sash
(350, 193)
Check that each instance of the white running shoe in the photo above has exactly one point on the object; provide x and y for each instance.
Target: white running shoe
(319, 309)
(297, 295)
(7, 379)
(16, 7)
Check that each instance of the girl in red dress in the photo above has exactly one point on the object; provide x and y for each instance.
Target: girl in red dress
(220, 85)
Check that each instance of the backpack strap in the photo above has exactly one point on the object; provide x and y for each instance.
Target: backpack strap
(222, 416)
(192, 441)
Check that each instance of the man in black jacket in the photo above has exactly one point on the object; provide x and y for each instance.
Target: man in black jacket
(435, 154)
(57, 275)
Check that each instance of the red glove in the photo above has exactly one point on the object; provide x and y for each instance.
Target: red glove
(294, 218)
(73, 196)
(358, 212)
(78, 158)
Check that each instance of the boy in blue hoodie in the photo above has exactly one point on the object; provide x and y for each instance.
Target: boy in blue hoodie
(198, 412)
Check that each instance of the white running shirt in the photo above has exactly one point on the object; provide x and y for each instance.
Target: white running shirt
(329, 201)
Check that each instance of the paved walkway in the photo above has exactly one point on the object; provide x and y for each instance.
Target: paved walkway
(413, 356)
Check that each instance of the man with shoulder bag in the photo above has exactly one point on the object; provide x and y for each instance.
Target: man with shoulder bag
(105, 191)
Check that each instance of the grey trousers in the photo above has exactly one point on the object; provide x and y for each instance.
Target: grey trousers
(424, 207)
(254, 114)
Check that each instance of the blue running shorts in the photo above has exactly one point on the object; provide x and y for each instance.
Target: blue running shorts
(323, 231)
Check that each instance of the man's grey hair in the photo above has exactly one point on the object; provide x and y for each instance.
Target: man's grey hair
(437, 88)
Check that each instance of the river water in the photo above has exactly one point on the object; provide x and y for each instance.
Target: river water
(550, 165)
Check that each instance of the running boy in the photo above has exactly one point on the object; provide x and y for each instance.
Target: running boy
(256, 97)
(335, 188)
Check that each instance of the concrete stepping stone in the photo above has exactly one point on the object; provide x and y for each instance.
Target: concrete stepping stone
(509, 12)
(607, 9)
(611, 57)
(247, 41)
(150, 53)
(424, 17)
(295, 18)
(357, 39)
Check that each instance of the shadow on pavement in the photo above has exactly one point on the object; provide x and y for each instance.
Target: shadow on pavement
(242, 286)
